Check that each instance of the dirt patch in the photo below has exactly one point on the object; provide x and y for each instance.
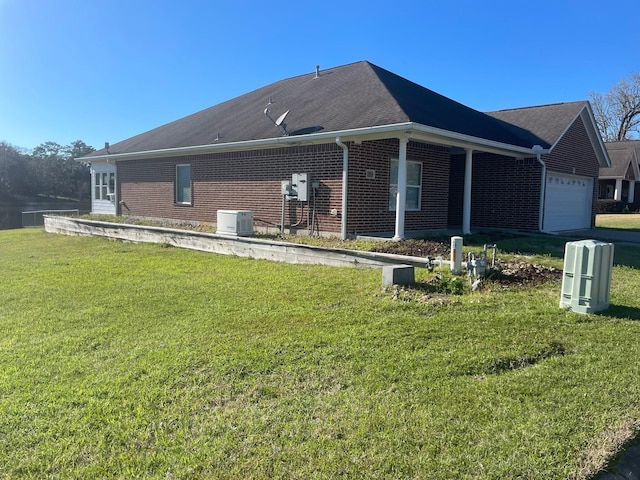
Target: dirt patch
(415, 248)
(522, 274)
(506, 274)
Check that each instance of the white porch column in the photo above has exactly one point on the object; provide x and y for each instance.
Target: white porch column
(466, 206)
(401, 194)
(632, 188)
(345, 178)
(617, 195)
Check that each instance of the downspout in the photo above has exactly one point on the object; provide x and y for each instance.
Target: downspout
(543, 185)
(466, 204)
(345, 168)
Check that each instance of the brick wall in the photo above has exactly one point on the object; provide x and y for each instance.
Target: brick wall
(574, 150)
(456, 190)
(251, 181)
(368, 206)
(506, 191)
(234, 181)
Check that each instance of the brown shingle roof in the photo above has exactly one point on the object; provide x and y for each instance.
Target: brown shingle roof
(622, 154)
(548, 122)
(352, 96)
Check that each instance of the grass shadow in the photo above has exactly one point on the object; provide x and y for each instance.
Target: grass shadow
(534, 245)
(624, 465)
(626, 256)
(512, 243)
(622, 312)
(449, 286)
(618, 229)
(554, 246)
(516, 362)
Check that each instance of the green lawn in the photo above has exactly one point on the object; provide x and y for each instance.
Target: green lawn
(618, 220)
(140, 361)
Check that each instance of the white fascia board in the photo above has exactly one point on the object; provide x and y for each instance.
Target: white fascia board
(101, 160)
(462, 140)
(412, 130)
(635, 166)
(384, 131)
(594, 135)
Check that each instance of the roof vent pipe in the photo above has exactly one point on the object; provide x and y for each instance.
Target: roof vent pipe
(317, 71)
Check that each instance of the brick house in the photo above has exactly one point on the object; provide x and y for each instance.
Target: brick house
(621, 180)
(570, 168)
(375, 153)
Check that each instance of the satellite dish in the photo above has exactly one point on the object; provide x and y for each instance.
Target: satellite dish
(279, 122)
(281, 118)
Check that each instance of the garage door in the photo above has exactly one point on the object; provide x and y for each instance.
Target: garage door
(568, 201)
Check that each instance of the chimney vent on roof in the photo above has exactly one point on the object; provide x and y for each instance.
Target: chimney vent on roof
(317, 71)
(106, 147)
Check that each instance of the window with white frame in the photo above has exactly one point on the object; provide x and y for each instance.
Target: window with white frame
(104, 184)
(183, 184)
(414, 185)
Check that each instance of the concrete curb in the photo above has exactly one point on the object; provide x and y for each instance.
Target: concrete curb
(229, 245)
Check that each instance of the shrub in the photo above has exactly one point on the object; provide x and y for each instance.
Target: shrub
(607, 205)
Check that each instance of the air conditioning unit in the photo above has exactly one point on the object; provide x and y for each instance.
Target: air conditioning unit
(235, 222)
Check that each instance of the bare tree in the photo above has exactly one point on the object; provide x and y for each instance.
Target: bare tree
(617, 112)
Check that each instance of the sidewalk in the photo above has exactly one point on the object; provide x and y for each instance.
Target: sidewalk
(630, 237)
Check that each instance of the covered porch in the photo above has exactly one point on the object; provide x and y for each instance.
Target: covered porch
(470, 149)
(621, 190)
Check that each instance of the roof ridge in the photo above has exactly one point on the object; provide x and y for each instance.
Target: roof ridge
(538, 106)
(300, 75)
(621, 143)
(375, 70)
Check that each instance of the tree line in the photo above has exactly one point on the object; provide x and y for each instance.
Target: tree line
(48, 170)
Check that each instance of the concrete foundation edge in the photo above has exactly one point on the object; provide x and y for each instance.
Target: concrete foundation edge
(227, 245)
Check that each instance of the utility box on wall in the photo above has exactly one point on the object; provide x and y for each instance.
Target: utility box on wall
(300, 186)
(586, 278)
(234, 222)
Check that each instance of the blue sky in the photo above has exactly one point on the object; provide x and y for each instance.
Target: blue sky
(105, 70)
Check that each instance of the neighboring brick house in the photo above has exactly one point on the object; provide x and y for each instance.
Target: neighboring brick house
(368, 141)
(621, 180)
